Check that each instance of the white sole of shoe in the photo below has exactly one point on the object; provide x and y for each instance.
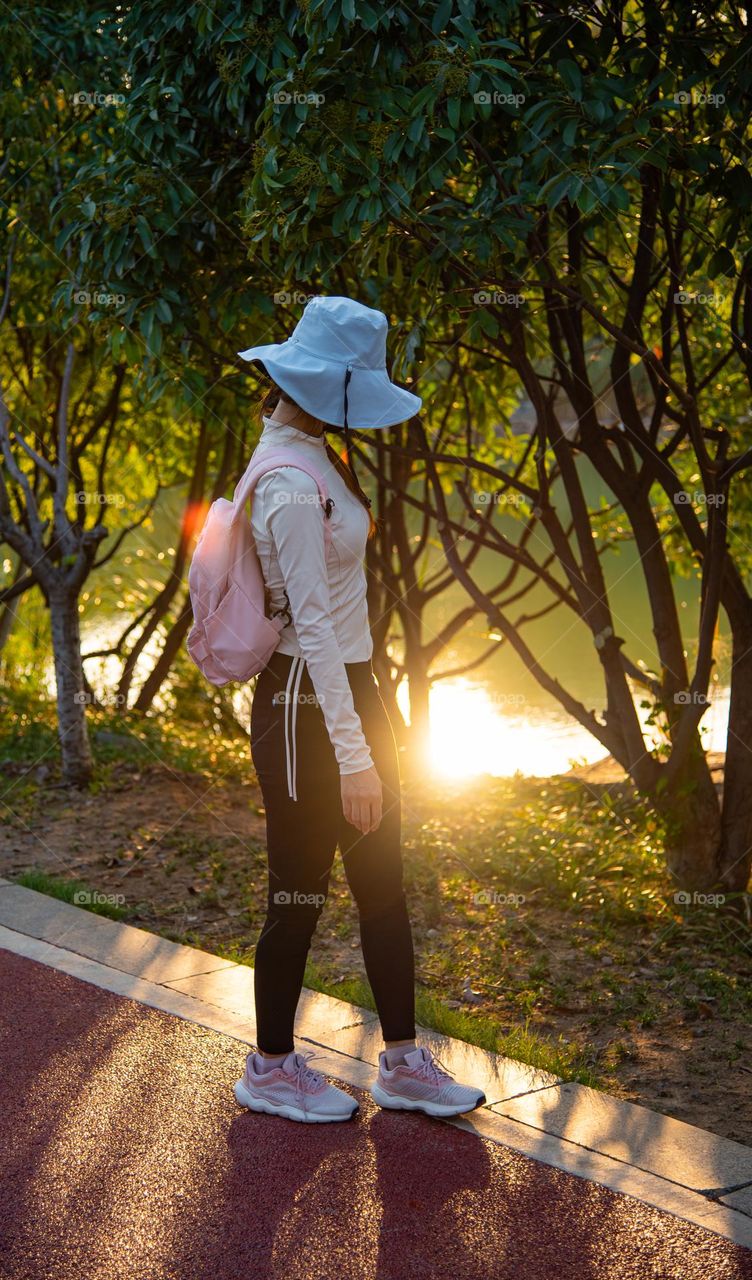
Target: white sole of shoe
(246, 1099)
(438, 1110)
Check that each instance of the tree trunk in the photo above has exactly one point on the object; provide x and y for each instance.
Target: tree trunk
(8, 615)
(9, 611)
(735, 860)
(691, 810)
(160, 607)
(71, 696)
(420, 687)
(162, 667)
(382, 666)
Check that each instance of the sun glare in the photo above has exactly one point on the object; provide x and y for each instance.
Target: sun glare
(475, 731)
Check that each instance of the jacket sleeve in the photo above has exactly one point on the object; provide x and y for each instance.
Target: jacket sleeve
(294, 518)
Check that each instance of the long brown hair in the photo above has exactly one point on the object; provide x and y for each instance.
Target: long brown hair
(269, 404)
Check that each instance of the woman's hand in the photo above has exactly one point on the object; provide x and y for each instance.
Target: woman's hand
(362, 799)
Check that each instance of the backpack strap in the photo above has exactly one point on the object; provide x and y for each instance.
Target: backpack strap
(270, 460)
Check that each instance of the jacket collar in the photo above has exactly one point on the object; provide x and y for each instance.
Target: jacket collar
(281, 434)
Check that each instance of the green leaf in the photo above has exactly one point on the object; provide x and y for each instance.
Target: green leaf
(164, 310)
(619, 197)
(146, 323)
(569, 132)
(453, 112)
(422, 98)
(587, 199)
(416, 128)
(722, 263)
(144, 232)
(487, 322)
(572, 77)
(441, 16)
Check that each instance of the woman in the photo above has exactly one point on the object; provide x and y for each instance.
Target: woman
(321, 741)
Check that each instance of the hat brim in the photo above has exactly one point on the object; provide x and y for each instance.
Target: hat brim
(317, 385)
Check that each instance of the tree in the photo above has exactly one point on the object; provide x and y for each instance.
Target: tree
(406, 576)
(58, 404)
(157, 211)
(530, 181)
(154, 210)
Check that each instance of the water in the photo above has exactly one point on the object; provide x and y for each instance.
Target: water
(471, 734)
(494, 719)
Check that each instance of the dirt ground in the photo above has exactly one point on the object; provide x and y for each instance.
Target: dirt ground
(186, 858)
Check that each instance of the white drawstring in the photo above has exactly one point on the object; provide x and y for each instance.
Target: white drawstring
(298, 678)
(291, 707)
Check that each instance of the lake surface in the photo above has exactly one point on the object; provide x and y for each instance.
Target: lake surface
(495, 719)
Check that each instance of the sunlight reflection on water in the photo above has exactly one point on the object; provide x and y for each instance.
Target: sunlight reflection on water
(475, 729)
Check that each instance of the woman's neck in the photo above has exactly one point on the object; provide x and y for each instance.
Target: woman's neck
(291, 415)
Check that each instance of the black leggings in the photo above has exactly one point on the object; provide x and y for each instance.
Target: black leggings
(293, 757)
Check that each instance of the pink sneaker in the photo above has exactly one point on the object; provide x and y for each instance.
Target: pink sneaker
(294, 1090)
(418, 1084)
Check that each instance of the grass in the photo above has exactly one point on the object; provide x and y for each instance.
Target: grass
(198, 743)
(73, 891)
(520, 1043)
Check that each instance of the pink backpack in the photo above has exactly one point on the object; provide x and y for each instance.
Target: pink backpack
(231, 637)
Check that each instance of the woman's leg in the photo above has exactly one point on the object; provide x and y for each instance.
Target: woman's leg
(302, 835)
(373, 864)
(301, 841)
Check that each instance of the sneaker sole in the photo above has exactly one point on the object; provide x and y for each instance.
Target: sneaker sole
(440, 1110)
(246, 1099)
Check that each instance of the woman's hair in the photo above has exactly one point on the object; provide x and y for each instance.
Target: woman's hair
(270, 402)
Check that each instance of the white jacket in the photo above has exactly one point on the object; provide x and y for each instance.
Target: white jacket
(327, 597)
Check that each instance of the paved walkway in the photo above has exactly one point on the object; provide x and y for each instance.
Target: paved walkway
(126, 1155)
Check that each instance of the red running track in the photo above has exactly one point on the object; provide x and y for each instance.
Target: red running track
(126, 1158)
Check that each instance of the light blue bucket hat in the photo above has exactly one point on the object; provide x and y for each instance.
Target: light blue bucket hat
(334, 366)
